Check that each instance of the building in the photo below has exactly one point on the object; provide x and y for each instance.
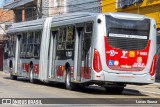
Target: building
(84, 6)
(57, 7)
(24, 10)
(6, 17)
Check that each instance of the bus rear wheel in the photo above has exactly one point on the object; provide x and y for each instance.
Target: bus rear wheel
(114, 89)
(13, 77)
(69, 84)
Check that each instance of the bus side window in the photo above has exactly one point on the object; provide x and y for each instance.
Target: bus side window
(23, 45)
(30, 37)
(70, 38)
(12, 45)
(87, 39)
(60, 53)
(37, 41)
(88, 27)
(61, 38)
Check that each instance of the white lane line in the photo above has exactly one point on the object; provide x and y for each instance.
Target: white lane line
(17, 105)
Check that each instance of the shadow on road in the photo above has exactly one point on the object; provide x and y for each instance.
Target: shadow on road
(88, 89)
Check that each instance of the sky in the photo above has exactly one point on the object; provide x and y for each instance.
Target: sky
(3, 2)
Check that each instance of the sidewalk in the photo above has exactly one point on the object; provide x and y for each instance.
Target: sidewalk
(146, 89)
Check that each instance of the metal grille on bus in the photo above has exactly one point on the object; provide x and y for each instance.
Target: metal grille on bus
(127, 43)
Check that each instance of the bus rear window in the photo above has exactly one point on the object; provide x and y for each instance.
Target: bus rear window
(127, 34)
(128, 27)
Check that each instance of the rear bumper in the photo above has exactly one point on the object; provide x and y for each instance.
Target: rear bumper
(124, 78)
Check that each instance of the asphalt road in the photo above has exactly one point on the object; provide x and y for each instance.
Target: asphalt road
(22, 88)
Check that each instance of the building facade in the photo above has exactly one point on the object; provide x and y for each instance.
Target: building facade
(6, 17)
(24, 10)
(84, 6)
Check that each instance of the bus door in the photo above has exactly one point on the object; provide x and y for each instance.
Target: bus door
(86, 51)
(52, 54)
(78, 53)
(17, 53)
(82, 66)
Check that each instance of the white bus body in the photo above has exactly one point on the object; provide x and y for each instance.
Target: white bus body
(84, 48)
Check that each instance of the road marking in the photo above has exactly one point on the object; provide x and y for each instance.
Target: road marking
(16, 105)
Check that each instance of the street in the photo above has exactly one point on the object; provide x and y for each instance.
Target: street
(22, 88)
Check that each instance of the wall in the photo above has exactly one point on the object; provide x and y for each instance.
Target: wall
(83, 6)
(57, 7)
(5, 17)
(45, 8)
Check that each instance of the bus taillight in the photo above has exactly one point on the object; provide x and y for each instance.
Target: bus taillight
(153, 66)
(97, 66)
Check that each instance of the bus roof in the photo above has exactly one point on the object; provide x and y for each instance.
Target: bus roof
(66, 19)
(38, 24)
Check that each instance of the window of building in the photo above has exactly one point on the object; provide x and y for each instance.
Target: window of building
(126, 3)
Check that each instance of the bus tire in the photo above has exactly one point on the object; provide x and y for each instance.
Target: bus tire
(69, 84)
(114, 89)
(31, 76)
(13, 77)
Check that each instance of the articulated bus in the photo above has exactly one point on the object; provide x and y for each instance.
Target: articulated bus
(80, 49)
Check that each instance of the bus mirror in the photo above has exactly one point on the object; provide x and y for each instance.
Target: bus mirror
(69, 54)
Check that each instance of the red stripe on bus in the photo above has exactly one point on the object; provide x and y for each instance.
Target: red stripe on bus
(86, 72)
